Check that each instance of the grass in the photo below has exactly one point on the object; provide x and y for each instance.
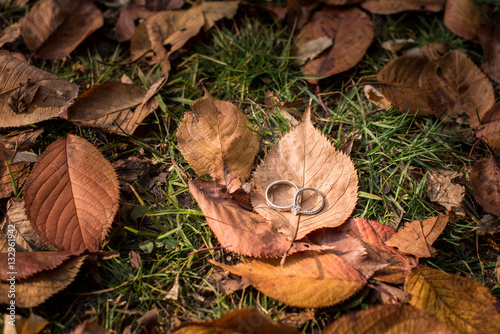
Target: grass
(393, 153)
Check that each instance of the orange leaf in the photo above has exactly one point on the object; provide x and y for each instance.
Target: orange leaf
(112, 106)
(387, 319)
(237, 229)
(217, 139)
(307, 158)
(72, 195)
(51, 99)
(463, 18)
(352, 32)
(307, 279)
(464, 305)
(398, 6)
(417, 237)
(369, 231)
(457, 87)
(246, 320)
(37, 289)
(401, 86)
(485, 182)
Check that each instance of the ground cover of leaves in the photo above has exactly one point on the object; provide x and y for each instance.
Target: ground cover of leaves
(139, 141)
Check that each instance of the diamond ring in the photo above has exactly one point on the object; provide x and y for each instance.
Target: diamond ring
(277, 207)
(296, 208)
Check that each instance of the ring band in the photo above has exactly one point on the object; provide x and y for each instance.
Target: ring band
(296, 208)
(277, 207)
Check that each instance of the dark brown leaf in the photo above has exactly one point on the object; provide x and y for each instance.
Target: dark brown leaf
(55, 28)
(489, 132)
(112, 106)
(53, 98)
(463, 18)
(72, 195)
(91, 327)
(21, 98)
(10, 33)
(485, 182)
(489, 37)
(457, 88)
(352, 32)
(397, 6)
(401, 86)
(36, 289)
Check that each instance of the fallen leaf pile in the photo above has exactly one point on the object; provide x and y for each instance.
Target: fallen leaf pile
(65, 203)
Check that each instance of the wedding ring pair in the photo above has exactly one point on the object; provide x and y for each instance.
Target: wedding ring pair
(295, 208)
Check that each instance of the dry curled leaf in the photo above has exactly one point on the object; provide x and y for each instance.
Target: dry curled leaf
(25, 238)
(308, 159)
(246, 320)
(373, 236)
(21, 98)
(15, 148)
(10, 33)
(352, 32)
(237, 229)
(90, 327)
(400, 85)
(307, 279)
(51, 99)
(54, 28)
(464, 305)
(434, 51)
(489, 37)
(441, 190)
(217, 139)
(36, 289)
(456, 87)
(463, 18)
(72, 195)
(34, 324)
(417, 237)
(387, 319)
(377, 98)
(398, 6)
(112, 106)
(485, 182)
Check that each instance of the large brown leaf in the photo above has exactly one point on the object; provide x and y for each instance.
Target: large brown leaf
(489, 132)
(463, 18)
(387, 319)
(246, 320)
(352, 32)
(217, 139)
(112, 106)
(457, 87)
(400, 84)
(397, 6)
(52, 98)
(489, 37)
(37, 289)
(464, 305)
(485, 182)
(28, 264)
(307, 158)
(417, 237)
(55, 28)
(72, 195)
(307, 279)
(237, 229)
